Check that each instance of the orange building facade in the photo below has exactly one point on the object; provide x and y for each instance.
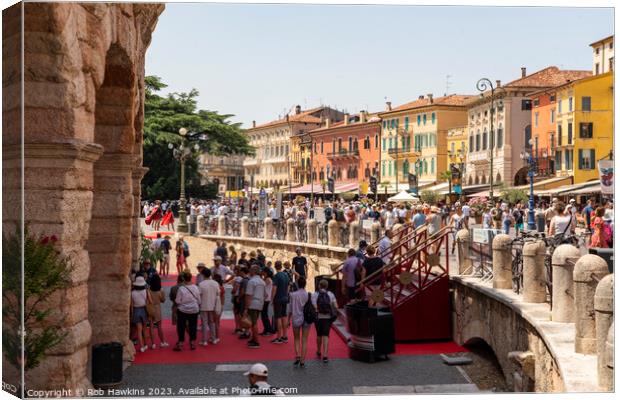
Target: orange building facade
(348, 151)
(544, 130)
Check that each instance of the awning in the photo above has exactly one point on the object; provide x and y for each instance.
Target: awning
(439, 188)
(587, 190)
(550, 183)
(403, 196)
(569, 189)
(347, 187)
(306, 189)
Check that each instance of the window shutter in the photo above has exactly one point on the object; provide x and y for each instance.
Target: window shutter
(592, 159)
(581, 159)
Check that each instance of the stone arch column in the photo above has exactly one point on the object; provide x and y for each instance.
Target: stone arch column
(113, 207)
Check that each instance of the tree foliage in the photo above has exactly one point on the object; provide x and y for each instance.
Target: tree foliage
(429, 196)
(513, 195)
(45, 272)
(163, 117)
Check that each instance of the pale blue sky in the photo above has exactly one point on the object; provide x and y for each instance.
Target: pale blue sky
(256, 61)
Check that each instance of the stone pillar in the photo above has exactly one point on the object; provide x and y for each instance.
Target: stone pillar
(463, 239)
(290, 230)
(589, 270)
(333, 233)
(268, 228)
(534, 287)
(502, 262)
(375, 232)
(354, 234)
(221, 225)
(245, 227)
(200, 224)
(136, 228)
(313, 233)
(562, 264)
(395, 228)
(604, 316)
(609, 352)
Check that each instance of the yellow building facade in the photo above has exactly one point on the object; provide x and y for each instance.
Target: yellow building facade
(456, 144)
(414, 138)
(584, 126)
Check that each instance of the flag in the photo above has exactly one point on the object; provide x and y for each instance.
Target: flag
(606, 175)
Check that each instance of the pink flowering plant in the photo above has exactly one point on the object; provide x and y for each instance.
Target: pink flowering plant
(478, 205)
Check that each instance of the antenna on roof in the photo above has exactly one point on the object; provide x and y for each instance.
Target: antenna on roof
(448, 83)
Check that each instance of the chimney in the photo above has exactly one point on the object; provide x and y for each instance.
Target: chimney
(523, 72)
(388, 106)
(298, 109)
(327, 122)
(430, 97)
(421, 97)
(346, 118)
(253, 124)
(362, 116)
(498, 83)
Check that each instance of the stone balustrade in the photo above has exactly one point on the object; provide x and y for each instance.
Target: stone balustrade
(567, 347)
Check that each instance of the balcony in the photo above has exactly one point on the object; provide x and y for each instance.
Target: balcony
(479, 157)
(248, 162)
(343, 154)
(398, 153)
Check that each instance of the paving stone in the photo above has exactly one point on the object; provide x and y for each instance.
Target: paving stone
(447, 388)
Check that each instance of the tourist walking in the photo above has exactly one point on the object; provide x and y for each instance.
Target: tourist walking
(254, 301)
(168, 220)
(188, 307)
(165, 247)
(181, 249)
(267, 276)
(562, 222)
(280, 299)
(301, 327)
(325, 304)
(351, 274)
(371, 265)
(209, 298)
(139, 317)
(155, 298)
(300, 265)
(599, 237)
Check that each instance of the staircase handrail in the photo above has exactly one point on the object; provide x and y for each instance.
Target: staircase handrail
(404, 229)
(396, 263)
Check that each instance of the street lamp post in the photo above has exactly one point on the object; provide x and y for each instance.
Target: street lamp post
(483, 85)
(531, 162)
(182, 153)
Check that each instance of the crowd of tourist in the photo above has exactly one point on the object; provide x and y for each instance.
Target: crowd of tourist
(267, 298)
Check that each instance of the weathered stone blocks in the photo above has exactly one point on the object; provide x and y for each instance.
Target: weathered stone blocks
(589, 270)
(604, 317)
(563, 263)
(502, 262)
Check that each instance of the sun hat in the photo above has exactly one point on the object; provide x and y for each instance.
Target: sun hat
(201, 265)
(139, 281)
(217, 258)
(257, 370)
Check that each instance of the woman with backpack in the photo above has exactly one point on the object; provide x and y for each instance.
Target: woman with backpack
(325, 304)
(182, 250)
(301, 317)
(188, 307)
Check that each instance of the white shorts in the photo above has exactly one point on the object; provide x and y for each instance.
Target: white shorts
(167, 257)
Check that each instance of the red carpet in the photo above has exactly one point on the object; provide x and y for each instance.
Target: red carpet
(153, 234)
(230, 349)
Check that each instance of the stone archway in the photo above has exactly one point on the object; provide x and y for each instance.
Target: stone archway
(112, 214)
(83, 115)
(521, 177)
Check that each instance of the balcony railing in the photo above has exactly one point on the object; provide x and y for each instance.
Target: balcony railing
(344, 153)
(402, 152)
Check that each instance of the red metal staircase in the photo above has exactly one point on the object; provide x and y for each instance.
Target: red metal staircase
(414, 285)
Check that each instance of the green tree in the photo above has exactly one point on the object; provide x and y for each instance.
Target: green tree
(163, 117)
(429, 196)
(513, 195)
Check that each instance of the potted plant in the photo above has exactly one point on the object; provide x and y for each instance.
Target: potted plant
(477, 206)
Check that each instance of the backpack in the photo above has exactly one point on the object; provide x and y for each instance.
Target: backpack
(340, 216)
(185, 250)
(328, 214)
(323, 304)
(309, 311)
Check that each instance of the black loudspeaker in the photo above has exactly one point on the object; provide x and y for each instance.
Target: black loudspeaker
(107, 364)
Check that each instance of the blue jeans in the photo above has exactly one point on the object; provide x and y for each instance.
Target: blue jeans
(507, 228)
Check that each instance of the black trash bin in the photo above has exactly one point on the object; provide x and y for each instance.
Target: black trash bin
(607, 254)
(107, 364)
(372, 331)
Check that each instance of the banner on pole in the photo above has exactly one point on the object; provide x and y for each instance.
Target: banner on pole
(606, 175)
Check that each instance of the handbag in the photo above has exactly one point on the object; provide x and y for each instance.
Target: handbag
(150, 307)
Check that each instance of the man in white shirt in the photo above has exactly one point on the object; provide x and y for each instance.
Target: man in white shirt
(466, 209)
(384, 245)
(221, 270)
(209, 299)
(254, 301)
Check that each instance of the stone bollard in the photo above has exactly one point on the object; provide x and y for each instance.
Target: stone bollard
(502, 262)
(463, 239)
(313, 232)
(375, 232)
(534, 286)
(221, 225)
(290, 230)
(589, 270)
(245, 227)
(268, 228)
(200, 224)
(333, 233)
(354, 234)
(604, 316)
(609, 351)
(562, 266)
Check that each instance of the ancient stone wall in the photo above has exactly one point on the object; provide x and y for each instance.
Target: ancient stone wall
(83, 106)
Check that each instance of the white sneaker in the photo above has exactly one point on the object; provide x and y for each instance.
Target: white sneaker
(215, 341)
(153, 346)
(164, 344)
(143, 349)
